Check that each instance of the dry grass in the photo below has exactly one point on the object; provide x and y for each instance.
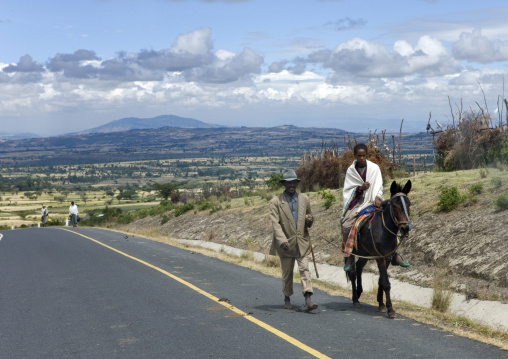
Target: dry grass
(442, 290)
(271, 261)
(247, 256)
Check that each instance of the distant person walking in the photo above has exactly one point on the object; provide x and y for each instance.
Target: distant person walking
(73, 214)
(291, 219)
(44, 216)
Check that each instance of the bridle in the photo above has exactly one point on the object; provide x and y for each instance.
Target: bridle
(408, 223)
(397, 223)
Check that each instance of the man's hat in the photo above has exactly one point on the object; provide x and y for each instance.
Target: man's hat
(289, 175)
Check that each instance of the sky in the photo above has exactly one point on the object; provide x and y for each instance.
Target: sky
(357, 65)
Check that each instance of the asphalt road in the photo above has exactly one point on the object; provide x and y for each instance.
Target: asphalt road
(91, 293)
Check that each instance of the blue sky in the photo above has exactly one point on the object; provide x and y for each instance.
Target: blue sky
(356, 65)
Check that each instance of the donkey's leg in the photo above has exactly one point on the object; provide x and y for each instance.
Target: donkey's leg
(380, 286)
(359, 270)
(380, 293)
(384, 283)
(352, 277)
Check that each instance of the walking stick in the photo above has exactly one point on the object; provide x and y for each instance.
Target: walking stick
(313, 259)
(309, 219)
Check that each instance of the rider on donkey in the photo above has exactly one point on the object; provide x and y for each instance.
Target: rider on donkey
(363, 187)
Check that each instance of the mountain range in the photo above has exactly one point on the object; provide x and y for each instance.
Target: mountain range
(178, 143)
(17, 136)
(135, 123)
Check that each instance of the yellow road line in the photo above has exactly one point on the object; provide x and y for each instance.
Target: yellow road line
(263, 325)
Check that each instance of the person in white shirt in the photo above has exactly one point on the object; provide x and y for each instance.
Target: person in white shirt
(73, 214)
(44, 216)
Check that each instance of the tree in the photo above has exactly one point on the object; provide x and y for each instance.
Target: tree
(83, 197)
(59, 198)
(273, 182)
(127, 194)
(165, 190)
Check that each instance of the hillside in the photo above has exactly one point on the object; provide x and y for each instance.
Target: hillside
(135, 123)
(470, 242)
(175, 143)
(17, 136)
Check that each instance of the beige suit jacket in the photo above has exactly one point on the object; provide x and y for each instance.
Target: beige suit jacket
(284, 229)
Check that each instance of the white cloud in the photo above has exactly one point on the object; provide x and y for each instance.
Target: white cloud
(355, 78)
(358, 58)
(196, 42)
(474, 47)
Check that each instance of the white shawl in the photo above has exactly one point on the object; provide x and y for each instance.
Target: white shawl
(353, 180)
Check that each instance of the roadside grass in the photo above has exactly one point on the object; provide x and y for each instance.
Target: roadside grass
(442, 290)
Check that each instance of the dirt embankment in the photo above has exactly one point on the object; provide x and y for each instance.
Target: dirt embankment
(470, 243)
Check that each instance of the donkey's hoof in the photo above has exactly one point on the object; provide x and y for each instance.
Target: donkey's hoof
(356, 304)
(391, 314)
(382, 308)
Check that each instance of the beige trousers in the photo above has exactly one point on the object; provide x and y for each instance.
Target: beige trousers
(287, 265)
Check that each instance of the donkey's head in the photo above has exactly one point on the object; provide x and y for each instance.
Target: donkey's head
(401, 205)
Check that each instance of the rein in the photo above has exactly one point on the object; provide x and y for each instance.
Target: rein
(399, 237)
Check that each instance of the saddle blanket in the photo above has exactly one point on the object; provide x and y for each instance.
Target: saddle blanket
(351, 242)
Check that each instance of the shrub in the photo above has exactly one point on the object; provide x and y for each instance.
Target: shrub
(183, 208)
(442, 293)
(399, 173)
(449, 198)
(496, 182)
(501, 202)
(23, 214)
(125, 218)
(203, 206)
(329, 169)
(216, 208)
(101, 215)
(55, 222)
(265, 195)
(165, 218)
(328, 197)
(476, 188)
(467, 144)
(483, 172)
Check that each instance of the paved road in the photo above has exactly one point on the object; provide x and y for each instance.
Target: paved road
(91, 293)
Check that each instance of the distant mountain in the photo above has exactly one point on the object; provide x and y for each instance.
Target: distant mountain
(178, 143)
(17, 136)
(135, 123)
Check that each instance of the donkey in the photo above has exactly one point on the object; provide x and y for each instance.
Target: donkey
(378, 240)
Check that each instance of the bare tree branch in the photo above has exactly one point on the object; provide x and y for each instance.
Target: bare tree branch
(451, 110)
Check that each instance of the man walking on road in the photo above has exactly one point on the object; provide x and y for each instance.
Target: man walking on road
(291, 219)
(73, 214)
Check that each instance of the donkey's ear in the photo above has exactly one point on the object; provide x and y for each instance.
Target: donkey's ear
(407, 187)
(394, 188)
